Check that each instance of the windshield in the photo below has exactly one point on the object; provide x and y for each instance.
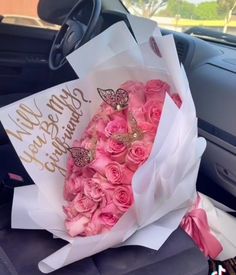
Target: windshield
(215, 20)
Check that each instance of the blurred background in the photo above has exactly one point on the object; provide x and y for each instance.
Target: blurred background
(22, 12)
(180, 15)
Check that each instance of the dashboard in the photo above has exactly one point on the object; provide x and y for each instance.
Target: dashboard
(211, 71)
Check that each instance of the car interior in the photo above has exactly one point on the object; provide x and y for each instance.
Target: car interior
(33, 59)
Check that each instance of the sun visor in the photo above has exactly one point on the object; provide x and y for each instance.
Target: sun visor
(54, 11)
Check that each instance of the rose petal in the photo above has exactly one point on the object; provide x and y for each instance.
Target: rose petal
(76, 226)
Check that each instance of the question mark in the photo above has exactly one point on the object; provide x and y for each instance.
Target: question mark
(82, 95)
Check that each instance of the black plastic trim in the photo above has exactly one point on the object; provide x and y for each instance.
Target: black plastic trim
(217, 132)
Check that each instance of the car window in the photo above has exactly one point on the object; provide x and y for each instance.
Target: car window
(9, 20)
(20, 21)
(26, 21)
(214, 18)
(23, 12)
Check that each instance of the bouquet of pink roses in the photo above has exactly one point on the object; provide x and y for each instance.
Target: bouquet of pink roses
(113, 164)
(117, 141)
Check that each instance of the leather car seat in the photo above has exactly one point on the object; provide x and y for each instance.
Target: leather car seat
(21, 250)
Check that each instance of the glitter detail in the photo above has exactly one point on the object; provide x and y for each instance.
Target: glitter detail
(116, 99)
(81, 156)
(129, 138)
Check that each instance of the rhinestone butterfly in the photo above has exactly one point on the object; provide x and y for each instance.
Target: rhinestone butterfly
(129, 138)
(81, 156)
(117, 99)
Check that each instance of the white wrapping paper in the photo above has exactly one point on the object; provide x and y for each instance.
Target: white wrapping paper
(43, 126)
(222, 225)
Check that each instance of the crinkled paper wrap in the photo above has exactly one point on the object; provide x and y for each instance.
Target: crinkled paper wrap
(42, 126)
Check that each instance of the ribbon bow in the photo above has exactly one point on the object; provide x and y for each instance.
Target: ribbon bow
(195, 224)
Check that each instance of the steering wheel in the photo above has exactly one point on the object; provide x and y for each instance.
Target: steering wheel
(76, 30)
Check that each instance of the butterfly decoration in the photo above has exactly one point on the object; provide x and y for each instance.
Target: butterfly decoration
(116, 99)
(154, 46)
(81, 156)
(129, 138)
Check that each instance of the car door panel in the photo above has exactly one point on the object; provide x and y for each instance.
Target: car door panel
(23, 58)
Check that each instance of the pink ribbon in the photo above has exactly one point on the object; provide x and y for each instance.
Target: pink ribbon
(195, 224)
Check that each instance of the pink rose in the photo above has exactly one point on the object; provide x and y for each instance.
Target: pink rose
(106, 110)
(107, 189)
(109, 218)
(116, 126)
(73, 186)
(70, 165)
(152, 110)
(101, 124)
(177, 100)
(134, 87)
(88, 143)
(70, 211)
(136, 92)
(157, 89)
(114, 173)
(85, 205)
(123, 198)
(88, 172)
(118, 174)
(100, 161)
(95, 225)
(76, 226)
(93, 229)
(117, 150)
(96, 126)
(102, 181)
(109, 113)
(109, 215)
(93, 190)
(148, 128)
(137, 154)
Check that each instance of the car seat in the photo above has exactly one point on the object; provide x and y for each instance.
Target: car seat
(21, 250)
